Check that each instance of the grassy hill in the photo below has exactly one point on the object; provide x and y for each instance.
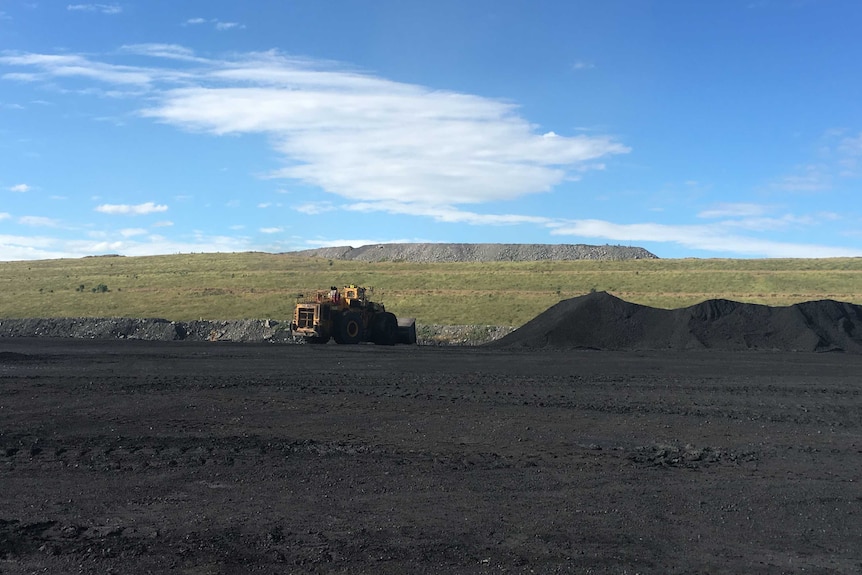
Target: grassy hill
(259, 285)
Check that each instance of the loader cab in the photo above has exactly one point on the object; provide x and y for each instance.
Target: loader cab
(355, 294)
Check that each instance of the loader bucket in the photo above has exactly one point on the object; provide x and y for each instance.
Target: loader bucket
(407, 330)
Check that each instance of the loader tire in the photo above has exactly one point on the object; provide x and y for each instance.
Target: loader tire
(385, 329)
(350, 329)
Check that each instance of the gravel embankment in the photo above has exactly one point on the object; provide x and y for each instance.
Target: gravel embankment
(434, 253)
(246, 330)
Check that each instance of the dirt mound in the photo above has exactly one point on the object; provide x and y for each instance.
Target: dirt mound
(150, 329)
(602, 321)
(436, 253)
(241, 330)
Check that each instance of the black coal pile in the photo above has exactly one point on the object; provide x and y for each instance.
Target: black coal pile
(602, 321)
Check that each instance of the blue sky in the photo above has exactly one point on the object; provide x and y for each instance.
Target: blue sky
(729, 128)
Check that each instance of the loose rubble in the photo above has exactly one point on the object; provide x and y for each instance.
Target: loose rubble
(245, 330)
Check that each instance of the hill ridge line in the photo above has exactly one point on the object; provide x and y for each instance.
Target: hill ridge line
(477, 252)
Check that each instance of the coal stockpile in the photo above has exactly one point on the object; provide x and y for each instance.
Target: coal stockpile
(603, 321)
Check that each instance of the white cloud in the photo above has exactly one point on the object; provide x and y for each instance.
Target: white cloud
(217, 24)
(449, 214)
(38, 221)
(733, 210)
(45, 247)
(851, 145)
(271, 230)
(400, 147)
(163, 224)
(21, 188)
(354, 243)
(582, 65)
(812, 178)
(131, 232)
(103, 8)
(134, 210)
(5, 216)
(850, 156)
(357, 135)
(28, 248)
(314, 208)
(840, 158)
(716, 238)
(71, 65)
(167, 51)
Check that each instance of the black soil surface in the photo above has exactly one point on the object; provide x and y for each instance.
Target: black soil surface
(602, 321)
(129, 456)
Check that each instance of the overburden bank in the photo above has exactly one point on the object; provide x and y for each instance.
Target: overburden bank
(245, 330)
(597, 321)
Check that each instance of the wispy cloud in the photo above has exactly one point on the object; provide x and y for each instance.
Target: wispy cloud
(132, 210)
(166, 51)
(708, 237)
(582, 65)
(29, 247)
(356, 135)
(811, 178)
(132, 232)
(839, 159)
(5, 216)
(216, 24)
(353, 242)
(314, 208)
(271, 230)
(103, 8)
(449, 214)
(38, 221)
(20, 188)
(733, 210)
(401, 147)
(850, 156)
(227, 25)
(57, 66)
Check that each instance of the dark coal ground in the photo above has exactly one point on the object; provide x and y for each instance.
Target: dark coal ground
(121, 456)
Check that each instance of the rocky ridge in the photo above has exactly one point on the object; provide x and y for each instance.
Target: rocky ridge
(436, 253)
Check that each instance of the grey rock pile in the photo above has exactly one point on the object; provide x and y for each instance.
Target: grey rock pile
(152, 329)
(245, 330)
(434, 253)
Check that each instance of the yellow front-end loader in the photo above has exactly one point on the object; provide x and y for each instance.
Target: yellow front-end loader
(349, 317)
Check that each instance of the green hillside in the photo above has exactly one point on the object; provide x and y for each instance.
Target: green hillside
(259, 285)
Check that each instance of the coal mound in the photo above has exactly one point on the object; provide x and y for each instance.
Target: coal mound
(602, 321)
